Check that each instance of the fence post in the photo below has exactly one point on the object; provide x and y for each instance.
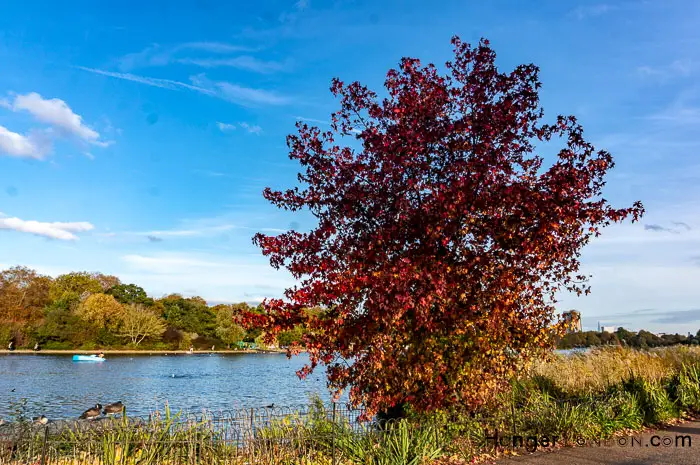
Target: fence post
(252, 435)
(43, 448)
(333, 457)
(512, 413)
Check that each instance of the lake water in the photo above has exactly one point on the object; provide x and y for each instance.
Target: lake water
(59, 388)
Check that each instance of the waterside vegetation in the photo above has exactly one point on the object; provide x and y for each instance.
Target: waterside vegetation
(89, 311)
(591, 396)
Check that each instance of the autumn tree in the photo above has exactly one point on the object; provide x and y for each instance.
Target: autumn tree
(442, 235)
(106, 281)
(101, 310)
(71, 288)
(23, 294)
(138, 322)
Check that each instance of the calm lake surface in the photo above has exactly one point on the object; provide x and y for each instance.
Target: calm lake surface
(59, 388)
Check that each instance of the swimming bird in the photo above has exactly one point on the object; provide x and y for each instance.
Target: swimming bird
(40, 420)
(112, 409)
(271, 406)
(91, 413)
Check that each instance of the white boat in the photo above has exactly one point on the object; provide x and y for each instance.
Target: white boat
(87, 358)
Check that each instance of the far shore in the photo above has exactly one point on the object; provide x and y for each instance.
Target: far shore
(138, 352)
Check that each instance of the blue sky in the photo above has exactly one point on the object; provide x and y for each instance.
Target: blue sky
(135, 139)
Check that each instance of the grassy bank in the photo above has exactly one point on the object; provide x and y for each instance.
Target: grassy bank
(587, 397)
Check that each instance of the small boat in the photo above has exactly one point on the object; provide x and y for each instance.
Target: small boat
(87, 358)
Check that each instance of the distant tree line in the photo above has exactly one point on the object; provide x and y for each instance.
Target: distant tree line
(91, 310)
(641, 340)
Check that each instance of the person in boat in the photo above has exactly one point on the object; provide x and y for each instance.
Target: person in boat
(101, 354)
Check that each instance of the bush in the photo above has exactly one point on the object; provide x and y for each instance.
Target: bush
(57, 345)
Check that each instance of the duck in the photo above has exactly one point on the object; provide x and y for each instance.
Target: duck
(113, 409)
(91, 413)
(40, 420)
(271, 406)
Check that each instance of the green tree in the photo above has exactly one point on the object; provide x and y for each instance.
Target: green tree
(226, 328)
(290, 337)
(625, 336)
(191, 315)
(61, 326)
(130, 294)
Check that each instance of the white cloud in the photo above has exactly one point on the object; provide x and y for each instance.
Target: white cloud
(57, 230)
(157, 55)
(587, 11)
(223, 90)
(253, 129)
(239, 94)
(162, 83)
(213, 174)
(678, 68)
(202, 231)
(650, 264)
(215, 47)
(18, 145)
(225, 127)
(56, 113)
(244, 62)
(312, 120)
(168, 264)
(207, 275)
(190, 230)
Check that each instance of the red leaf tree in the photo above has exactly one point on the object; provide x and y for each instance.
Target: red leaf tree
(441, 238)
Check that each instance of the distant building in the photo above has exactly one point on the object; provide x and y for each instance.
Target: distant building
(607, 329)
(573, 321)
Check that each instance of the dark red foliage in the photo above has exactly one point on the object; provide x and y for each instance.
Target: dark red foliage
(440, 243)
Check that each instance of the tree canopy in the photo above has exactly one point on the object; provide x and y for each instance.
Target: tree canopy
(87, 310)
(442, 235)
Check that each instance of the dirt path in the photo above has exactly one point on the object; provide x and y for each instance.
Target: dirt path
(676, 445)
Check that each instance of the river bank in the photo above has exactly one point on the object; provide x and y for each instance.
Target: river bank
(139, 352)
